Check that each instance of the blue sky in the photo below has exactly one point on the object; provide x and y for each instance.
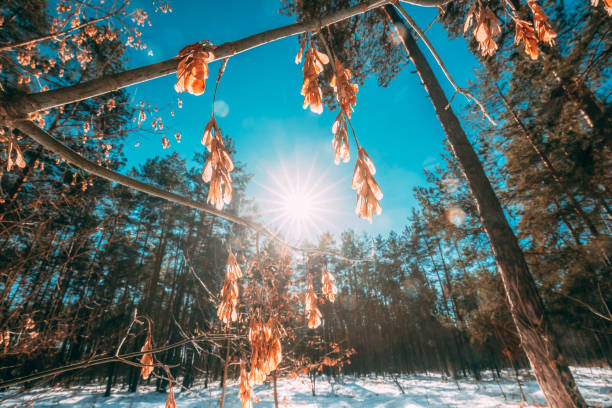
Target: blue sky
(261, 91)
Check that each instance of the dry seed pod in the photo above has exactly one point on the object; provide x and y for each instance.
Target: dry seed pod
(218, 167)
(526, 33)
(147, 359)
(192, 70)
(329, 288)
(229, 295)
(313, 66)
(311, 306)
(368, 191)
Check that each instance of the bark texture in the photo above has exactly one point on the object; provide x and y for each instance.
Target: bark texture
(526, 307)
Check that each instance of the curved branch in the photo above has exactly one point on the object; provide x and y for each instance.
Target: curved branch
(74, 158)
(111, 359)
(19, 108)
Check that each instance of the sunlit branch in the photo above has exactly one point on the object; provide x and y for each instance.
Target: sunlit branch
(74, 158)
(434, 53)
(19, 108)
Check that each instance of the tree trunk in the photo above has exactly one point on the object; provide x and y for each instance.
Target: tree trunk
(526, 307)
(224, 379)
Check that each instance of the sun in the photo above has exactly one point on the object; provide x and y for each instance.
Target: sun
(298, 206)
(298, 202)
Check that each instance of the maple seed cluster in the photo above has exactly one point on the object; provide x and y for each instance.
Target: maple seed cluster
(346, 96)
(246, 389)
(229, 294)
(329, 289)
(192, 70)
(607, 4)
(12, 145)
(311, 306)
(170, 402)
(218, 167)
(368, 191)
(487, 28)
(313, 66)
(265, 339)
(147, 359)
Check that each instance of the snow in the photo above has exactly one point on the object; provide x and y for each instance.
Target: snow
(423, 390)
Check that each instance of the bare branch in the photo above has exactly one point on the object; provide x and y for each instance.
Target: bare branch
(434, 53)
(60, 33)
(57, 147)
(89, 89)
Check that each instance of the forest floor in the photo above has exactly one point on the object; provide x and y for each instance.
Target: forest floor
(420, 391)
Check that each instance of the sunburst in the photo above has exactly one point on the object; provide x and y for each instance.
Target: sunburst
(300, 203)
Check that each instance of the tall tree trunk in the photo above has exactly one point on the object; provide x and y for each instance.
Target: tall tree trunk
(526, 307)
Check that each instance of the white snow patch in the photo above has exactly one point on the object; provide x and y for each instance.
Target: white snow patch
(423, 390)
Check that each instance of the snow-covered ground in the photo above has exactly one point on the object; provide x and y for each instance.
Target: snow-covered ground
(420, 391)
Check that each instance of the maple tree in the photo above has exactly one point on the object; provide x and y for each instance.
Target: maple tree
(191, 67)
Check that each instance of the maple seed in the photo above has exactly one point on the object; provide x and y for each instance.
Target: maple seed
(229, 294)
(218, 167)
(344, 89)
(368, 191)
(246, 390)
(526, 33)
(192, 70)
(170, 402)
(313, 66)
(12, 145)
(541, 25)
(329, 288)
(266, 355)
(312, 310)
(147, 359)
(487, 28)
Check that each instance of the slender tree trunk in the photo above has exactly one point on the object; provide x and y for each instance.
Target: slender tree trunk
(275, 390)
(225, 365)
(526, 307)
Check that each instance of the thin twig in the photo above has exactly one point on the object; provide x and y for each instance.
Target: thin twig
(468, 95)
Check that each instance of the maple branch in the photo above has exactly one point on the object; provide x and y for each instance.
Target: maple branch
(49, 142)
(20, 107)
(60, 33)
(111, 359)
(468, 95)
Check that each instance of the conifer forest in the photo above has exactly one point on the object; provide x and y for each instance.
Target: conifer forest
(146, 261)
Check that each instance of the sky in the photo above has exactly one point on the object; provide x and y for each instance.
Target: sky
(284, 146)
